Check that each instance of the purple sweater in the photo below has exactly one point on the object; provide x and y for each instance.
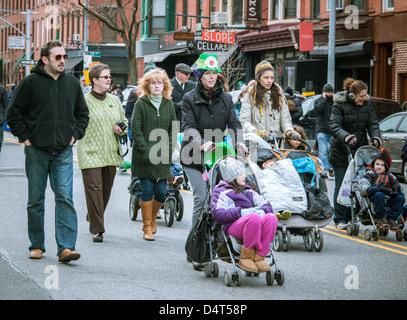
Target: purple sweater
(226, 203)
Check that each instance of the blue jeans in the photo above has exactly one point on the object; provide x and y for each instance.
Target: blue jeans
(40, 165)
(153, 189)
(395, 203)
(342, 213)
(324, 140)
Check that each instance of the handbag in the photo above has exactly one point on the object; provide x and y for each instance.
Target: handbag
(197, 244)
(122, 140)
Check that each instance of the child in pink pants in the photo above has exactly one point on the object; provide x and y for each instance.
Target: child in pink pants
(245, 214)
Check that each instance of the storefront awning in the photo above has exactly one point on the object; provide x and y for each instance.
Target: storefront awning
(71, 63)
(160, 57)
(355, 48)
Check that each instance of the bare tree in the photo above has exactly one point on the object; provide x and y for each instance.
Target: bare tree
(120, 17)
(234, 68)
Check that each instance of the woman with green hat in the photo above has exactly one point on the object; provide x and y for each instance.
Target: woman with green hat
(207, 113)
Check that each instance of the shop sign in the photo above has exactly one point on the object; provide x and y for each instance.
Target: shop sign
(306, 36)
(251, 12)
(211, 46)
(167, 42)
(219, 36)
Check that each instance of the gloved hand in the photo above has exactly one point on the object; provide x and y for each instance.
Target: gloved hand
(244, 212)
(264, 134)
(350, 139)
(371, 191)
(208, 146)
(376, 142)
(241, 149)
(293, 135)
(386, 191)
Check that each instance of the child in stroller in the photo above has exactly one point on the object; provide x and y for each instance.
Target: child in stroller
(377, 183)
(245, 214)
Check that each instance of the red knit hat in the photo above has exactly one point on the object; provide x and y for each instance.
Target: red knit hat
(385, 156)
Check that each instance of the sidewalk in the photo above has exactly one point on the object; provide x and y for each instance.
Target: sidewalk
(15, 285)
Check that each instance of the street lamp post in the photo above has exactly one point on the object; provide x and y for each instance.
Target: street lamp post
(331, 43)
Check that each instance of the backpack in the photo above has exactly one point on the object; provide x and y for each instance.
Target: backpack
(319, 206)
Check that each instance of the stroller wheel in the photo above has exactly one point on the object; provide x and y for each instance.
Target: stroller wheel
(286, 241)
(270, 278)
(179, 212)
(399, 235)
(227, 279)
(405, 235)
(278, 241)
(309, 240)
(279, 276)
(211, 270)
(237, 278)
(368, 234)
(133, 207)
(319, 241)
(169, 211)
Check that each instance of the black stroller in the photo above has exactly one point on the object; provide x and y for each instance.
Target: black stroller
(221, 246)
(362, 210)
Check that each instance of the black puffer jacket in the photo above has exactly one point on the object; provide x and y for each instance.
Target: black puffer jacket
(348, 118)
(200, 117)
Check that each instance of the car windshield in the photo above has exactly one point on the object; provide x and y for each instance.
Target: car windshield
(308, 104)
(390, 124)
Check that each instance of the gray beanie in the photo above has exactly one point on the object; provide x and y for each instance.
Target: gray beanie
(230, 169)
(328, 88)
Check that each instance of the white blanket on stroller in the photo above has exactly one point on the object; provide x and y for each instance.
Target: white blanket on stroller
(281, 185)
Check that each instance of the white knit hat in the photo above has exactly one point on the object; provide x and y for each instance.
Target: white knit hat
(230, 169)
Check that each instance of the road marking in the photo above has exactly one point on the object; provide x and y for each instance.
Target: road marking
(370, 243)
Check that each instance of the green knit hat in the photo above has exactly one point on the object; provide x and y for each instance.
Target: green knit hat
(206, 62)
(149, 66)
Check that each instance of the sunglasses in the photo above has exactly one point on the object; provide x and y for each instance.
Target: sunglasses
(60, 56)
(106, 77)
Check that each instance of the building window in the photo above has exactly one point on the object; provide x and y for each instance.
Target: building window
(316, 8)
(237, 14)
(360, 4)
(157, 18)
(108, 35)
(185, 11)
(284, 9)
(339, 4)
(388, 5)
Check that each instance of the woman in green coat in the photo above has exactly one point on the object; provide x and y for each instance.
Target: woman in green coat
(153, 126)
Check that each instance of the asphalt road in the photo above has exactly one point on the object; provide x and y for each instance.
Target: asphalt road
(127, 267)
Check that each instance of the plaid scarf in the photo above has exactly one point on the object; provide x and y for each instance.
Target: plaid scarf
(211, 93)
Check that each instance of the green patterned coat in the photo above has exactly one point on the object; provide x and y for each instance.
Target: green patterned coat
(98, 148)
(153, 132)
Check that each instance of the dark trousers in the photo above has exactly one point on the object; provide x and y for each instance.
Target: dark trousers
(98, 184)
(395, 203)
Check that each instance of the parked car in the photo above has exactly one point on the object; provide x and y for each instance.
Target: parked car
(383, 108)
(126, 93)
(394, 132)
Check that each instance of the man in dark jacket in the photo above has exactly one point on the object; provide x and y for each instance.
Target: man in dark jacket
(3, 110)
(181, 85)
(323, 107)
(48, 113)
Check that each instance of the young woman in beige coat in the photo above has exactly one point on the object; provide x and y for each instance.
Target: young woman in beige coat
(264, 109)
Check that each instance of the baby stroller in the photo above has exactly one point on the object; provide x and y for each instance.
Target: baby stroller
(173, 206)
(222, 246)
(303, 175)
(362, 210)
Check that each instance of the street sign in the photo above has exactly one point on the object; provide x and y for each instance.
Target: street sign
(97, 54)
(211, 46)
(87, 59)
(16, 42)
(184, 36)
(28, 62)
(219, 36)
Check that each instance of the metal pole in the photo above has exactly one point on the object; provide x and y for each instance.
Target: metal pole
(28, 46)
(331, 44)
(85, 34)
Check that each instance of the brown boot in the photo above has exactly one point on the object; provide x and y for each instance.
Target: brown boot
(262, 265)
(155, 209)
(246, 260)
(146, 213)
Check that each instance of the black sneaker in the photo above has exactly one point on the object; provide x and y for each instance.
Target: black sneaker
(98, 237)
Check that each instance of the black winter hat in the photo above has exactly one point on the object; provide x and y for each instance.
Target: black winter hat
(328, 88)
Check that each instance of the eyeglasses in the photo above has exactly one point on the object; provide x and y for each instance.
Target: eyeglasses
(60, 56)
(106, 77)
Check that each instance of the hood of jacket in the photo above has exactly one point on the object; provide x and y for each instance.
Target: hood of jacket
(343, 97)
